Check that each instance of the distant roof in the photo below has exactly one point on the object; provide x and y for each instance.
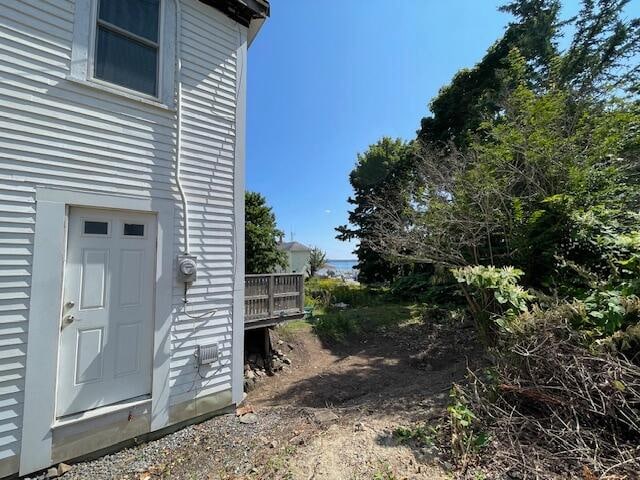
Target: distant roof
(294, 247)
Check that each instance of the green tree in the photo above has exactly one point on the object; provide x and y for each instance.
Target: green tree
(262, 254)
(473, 94)
(522, 193)
(317, 260)
(520, 144)
(383, 170)
(602, 55)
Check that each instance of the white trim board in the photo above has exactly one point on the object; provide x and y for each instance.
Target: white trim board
(46, 307)
(237, 363)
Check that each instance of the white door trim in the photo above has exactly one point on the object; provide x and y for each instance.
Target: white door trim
(46, 306)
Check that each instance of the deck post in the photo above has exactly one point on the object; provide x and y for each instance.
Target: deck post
(271, 293)
(301, 289)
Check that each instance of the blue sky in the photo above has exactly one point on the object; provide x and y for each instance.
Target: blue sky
(328, 78)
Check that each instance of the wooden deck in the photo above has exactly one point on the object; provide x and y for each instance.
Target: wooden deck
(272, 299)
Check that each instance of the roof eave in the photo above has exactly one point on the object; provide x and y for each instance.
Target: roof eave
(250, 13)
(254, 28)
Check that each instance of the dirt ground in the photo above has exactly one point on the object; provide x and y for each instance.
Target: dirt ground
(348, 400)
(334, 414)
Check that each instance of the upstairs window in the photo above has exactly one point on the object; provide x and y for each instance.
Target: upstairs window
(127, 51)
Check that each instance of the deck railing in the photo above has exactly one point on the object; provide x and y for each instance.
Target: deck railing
(273, 297)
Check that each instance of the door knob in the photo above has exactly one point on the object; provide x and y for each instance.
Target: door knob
(69, 318)
(70, 304)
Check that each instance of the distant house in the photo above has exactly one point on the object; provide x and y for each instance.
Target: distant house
(297, 256)
(122, 176)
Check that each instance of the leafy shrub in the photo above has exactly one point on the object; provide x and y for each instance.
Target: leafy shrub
(318, 292)
(325, 292)
(585, 248)
(609, 238)
(353, 295)
(434, 288)
(411, 286)
(493, 295)
(606, 312)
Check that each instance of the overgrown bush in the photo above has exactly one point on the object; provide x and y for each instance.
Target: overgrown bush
(600, 248)
(555, 407)
(494, 296)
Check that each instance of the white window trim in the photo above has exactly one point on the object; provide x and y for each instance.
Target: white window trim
(92, 56)
(83, 55)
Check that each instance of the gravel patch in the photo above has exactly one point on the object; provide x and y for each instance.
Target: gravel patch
(221, 447)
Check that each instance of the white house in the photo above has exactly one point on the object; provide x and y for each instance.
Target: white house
(298, 256)
(119, 315)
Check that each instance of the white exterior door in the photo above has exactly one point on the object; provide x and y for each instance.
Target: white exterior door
(106, 339)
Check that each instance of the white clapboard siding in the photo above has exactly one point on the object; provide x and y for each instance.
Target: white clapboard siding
(209, 42)
(58, 133)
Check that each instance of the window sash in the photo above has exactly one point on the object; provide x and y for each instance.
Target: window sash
(134, 38)
(126, 63)
(127, 33)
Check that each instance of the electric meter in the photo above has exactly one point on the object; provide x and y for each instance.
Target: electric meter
(187, 268)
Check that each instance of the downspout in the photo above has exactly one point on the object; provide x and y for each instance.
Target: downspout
(178, 79)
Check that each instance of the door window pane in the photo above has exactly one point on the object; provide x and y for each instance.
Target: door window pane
(125, 62)
(134, 229)
(139, 17)
(96, 228)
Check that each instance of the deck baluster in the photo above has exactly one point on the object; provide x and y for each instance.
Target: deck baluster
(273, 298)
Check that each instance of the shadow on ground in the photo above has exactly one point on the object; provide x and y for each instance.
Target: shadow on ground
(352, 397)
(386, 368)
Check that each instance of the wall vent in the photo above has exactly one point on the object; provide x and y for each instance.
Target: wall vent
(207, 354)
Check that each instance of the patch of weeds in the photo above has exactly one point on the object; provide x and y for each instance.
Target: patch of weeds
(466, 437)
(279, 461)
(287, 331)
(423, 435)
(384, 473)
(275, 463)
(339, 325)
